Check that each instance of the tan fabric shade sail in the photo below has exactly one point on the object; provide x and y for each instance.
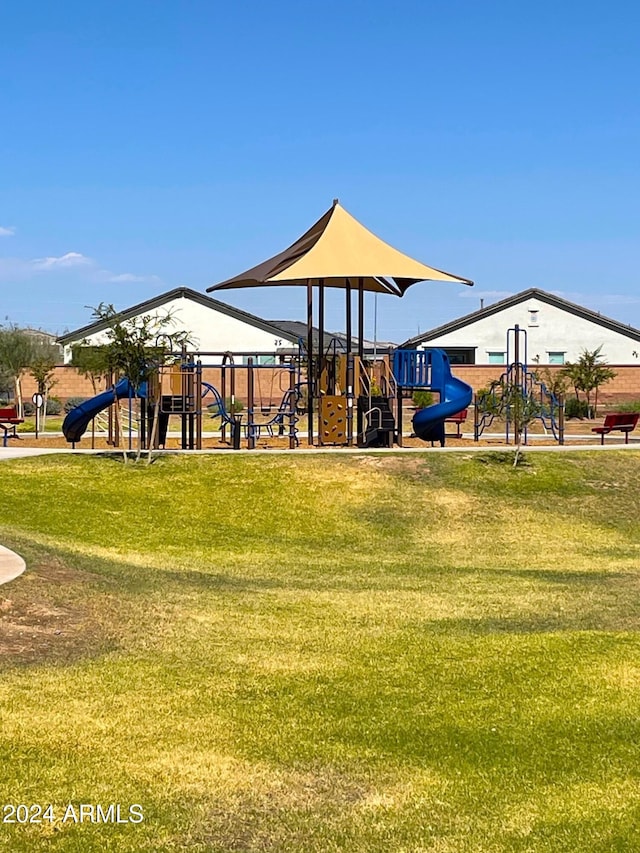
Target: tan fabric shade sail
(338, 251)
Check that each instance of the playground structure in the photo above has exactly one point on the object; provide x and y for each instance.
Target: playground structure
(354, 399)
(358, 402)
(519, 397)
(429, 369)
(178, 388)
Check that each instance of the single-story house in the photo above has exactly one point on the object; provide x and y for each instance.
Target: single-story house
(214, 327)
(557, 332)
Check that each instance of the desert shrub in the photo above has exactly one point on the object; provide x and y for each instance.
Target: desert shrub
(72, 402)
(230, 408)
(233, 408)
(422, 399)
(632, 406)
(576, 408)
(54, 407)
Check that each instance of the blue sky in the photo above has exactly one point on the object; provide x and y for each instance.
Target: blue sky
(146, 145)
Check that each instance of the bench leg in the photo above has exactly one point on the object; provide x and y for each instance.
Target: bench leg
(626, 436)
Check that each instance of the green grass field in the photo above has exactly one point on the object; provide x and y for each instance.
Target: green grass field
(324, 653)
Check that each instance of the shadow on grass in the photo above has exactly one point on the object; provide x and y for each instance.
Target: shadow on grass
(498, 713)
(465, 601)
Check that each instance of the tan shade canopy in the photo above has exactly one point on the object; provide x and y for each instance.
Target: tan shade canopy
(338, 251)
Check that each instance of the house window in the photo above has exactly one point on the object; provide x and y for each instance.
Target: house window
(533, 316)
(461, 355)
(556, 358)
(496, 357)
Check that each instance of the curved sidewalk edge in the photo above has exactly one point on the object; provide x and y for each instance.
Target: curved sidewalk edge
(11, 565)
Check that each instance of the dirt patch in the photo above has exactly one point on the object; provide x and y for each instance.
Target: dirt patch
(36, 626)
(409, 467)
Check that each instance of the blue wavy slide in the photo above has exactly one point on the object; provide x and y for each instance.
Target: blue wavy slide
(78, 419)
(455, 395)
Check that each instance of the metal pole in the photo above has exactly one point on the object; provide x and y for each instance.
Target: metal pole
(348, 321)
(360, 318)
(375, 326)
(198, 401)
(251, 439)
(143, 419)
(183, 415)
(350, 373)
(350, 366)
(518, 385)
(358, 390)
(321, 355)
(476, 418)
(310, 384)
(292, 407)
(223, 386)
(130, 412)
(233, 389)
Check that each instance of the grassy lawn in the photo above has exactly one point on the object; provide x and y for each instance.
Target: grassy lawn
(53, 423)
(324, 653)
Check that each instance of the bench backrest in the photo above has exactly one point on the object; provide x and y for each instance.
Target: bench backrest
(621, 419)
(10, 413)
(460, 416)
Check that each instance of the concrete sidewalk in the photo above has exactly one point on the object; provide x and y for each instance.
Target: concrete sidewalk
(19, 452)
(11, 565)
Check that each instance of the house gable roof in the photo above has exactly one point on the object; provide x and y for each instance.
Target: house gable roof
(532, 292)
(298, 329)
(179, 293)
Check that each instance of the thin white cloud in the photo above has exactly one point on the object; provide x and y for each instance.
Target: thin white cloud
(71, 263)
(127, 277)
(71, 259)
(617, 299)
(7, 231)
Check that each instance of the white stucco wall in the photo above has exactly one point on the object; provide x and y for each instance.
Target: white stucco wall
(556, 331)
(209, 330)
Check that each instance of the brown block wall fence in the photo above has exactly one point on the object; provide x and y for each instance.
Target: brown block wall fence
(271, 383)
(624, 388)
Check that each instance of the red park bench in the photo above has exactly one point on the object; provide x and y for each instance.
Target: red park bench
(8, 422)
(458, 419)
(623, 421)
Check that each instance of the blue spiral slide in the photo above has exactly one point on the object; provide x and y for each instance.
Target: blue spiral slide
(455, 395)
(76, 422)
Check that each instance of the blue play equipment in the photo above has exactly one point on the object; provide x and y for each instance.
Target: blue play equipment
(429, 369)
(518, 387)
(216, 409)
(78, 419)
(290, 400)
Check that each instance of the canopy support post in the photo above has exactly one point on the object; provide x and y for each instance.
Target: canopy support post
(310, 383)
(350, 370)
(320, 355)
(361, 318)
(360, 368)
